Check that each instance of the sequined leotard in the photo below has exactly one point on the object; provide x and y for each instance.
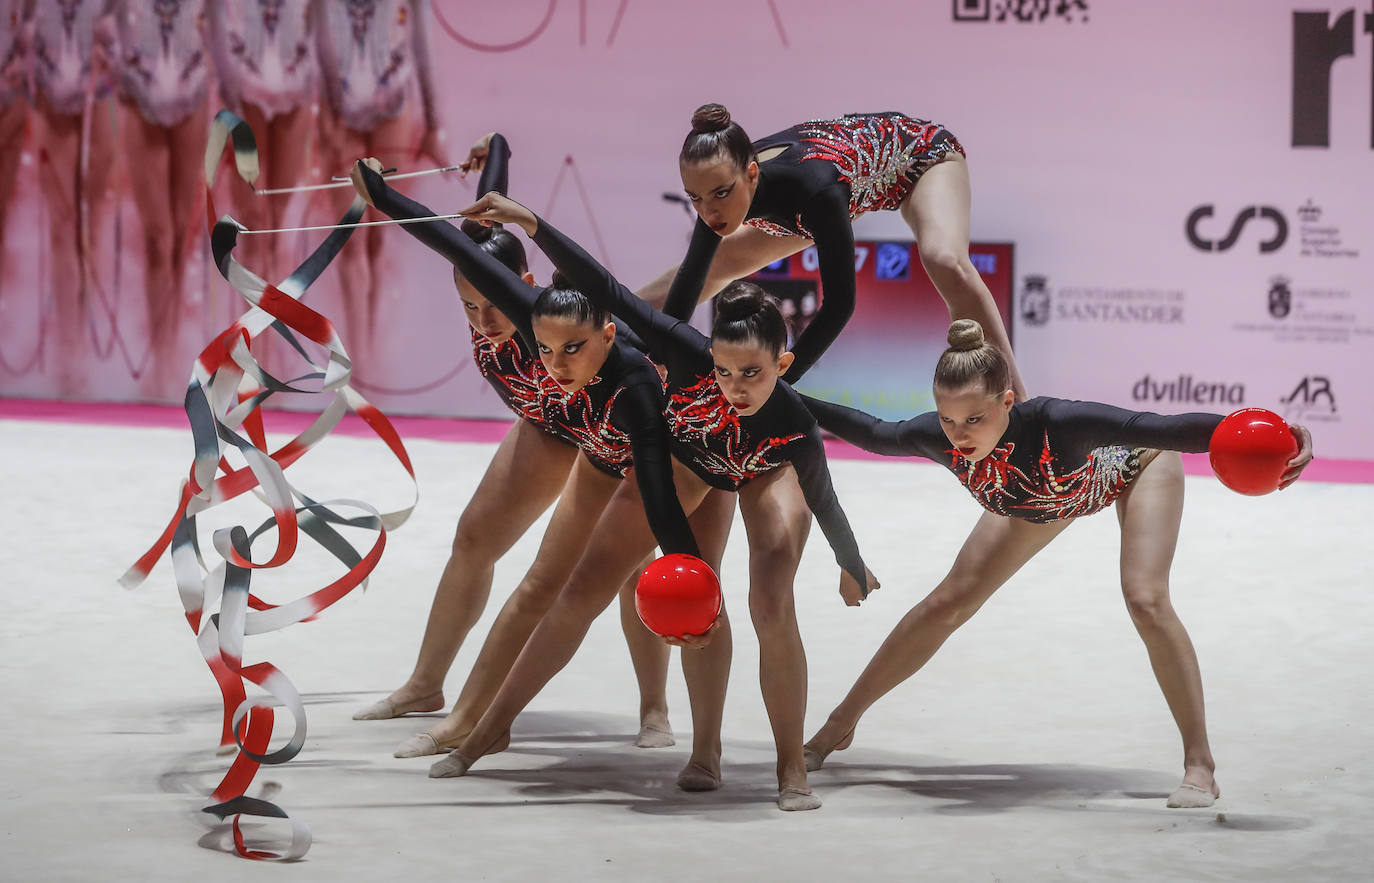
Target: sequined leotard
(710, 437)
(616, 418)
(64, 34)
(162, 58)
(264, 53)
(1058, 459)
(370, 50)
(511, 367)
(830, 172)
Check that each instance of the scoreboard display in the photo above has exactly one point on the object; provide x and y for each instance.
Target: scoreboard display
(884, 358)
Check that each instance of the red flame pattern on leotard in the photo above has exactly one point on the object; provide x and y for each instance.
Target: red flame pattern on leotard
(1048, 495)
(587, 421)
(879, 156)
(700, 417)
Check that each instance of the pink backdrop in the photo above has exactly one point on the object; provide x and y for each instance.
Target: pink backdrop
(1095, 129)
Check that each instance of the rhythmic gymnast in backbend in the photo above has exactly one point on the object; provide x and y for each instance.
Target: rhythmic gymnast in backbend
(759, 202)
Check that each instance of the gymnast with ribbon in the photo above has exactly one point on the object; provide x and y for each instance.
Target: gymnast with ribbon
(589, 388)
(530, 468)
(736, 430)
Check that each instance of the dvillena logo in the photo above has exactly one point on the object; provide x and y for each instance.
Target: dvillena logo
(1243, 217)
(1035, 300)
(1280, 297)
(1185, 389)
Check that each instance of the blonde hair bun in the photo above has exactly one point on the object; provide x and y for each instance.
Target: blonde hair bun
(964, 335)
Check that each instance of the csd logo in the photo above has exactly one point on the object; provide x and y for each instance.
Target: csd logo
(1265, 212)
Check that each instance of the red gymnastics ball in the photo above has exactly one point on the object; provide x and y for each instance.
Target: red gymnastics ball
(678, 595)
(1250, 450)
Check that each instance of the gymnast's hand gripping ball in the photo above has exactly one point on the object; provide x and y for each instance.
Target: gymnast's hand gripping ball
(678, 595)
(1250, 450)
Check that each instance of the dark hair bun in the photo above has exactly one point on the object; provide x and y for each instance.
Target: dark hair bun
(965, 334)
(740, 300)
(710, 118)
(558, 280)
(477, 231)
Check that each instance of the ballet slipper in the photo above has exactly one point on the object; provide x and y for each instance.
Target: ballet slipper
(798, 800)
(385, 709)
(655, 736)
(815, 758)
(695, 777)
(1190, 796)
(451, 767)
(421, 745)
(455, 764)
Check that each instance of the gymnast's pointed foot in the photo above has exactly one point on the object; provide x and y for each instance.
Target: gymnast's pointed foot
(1197, 791)
(454, 764)
(400, 703)
(816, 751)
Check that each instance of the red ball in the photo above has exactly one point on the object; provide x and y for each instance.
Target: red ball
(678, 595)
(1250, 450)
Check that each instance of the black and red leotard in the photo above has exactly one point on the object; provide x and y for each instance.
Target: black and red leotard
(830, 172)
(1058, 459)
(616, 418)
(723, 448)
(510, 366)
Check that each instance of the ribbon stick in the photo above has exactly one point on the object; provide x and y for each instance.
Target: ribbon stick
(224, 400)
(388, 222)
(340, 181)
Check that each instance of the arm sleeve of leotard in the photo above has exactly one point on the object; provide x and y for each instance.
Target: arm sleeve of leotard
(813, 474)
(663, 334)
(827, 217)
(1096, 424)
(639, 412)
(512, 295)
(496, 172)
(920, 436)
(685, 292)
(625, 334)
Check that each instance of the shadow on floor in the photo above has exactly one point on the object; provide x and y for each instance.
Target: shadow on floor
(567, 758)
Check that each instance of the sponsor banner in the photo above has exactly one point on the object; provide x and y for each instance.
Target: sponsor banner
(1205, 217)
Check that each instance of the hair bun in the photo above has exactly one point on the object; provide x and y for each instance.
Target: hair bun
(710, 118)
(740, 300)
(965, 334)
(477, 231)
(558, 280)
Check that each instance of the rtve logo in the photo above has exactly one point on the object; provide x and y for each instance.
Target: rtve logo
(1316, 46)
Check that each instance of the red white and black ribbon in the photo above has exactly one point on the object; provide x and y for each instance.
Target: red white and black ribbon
(224, 406)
